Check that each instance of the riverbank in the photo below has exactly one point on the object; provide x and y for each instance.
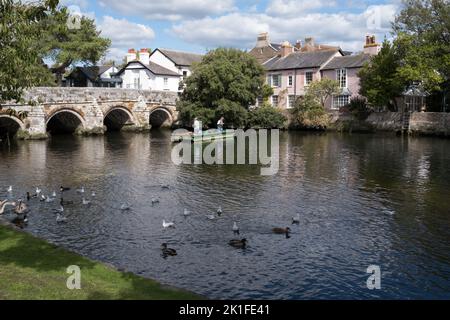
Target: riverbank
(31, 268)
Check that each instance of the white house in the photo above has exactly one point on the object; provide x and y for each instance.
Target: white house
(141, 73)
(177, 61)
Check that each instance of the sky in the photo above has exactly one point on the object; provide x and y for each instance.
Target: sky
(202, 25)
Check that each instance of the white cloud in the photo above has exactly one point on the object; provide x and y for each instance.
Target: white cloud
(124, 35)
(170, 9)
(291, 8)
(347, 30)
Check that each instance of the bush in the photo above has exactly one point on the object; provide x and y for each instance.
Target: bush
(235, 115)
(266, 117)
(358, 108)
(310, 114)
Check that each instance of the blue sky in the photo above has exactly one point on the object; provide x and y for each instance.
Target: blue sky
(200, 25)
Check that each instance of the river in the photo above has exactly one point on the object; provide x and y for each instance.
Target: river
(362, 199)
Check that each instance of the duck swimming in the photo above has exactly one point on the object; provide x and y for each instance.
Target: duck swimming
(235, 228)
(186, 212)
(60, 218)
(168, 224)
(125, 207)
(62, 189)
(10, 189)
(285, 231)
(219, 211)
(296, 219)
(168, 251)
(86, 202)
(241, 244)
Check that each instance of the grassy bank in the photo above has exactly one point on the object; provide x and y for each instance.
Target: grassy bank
(31, 268)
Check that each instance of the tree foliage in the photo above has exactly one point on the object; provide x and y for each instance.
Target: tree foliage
(226, 83)
(266, 117)
(322, 90)
(21, 65)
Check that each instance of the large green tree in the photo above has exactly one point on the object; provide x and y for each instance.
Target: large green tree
(227, 82)
(380, 81)
(21, 66)
(423, 37)
(67, 45)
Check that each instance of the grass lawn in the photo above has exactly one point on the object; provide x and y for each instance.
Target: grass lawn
(31, 268)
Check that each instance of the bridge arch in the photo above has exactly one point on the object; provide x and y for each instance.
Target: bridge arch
(160, 117)
(64, 121)
(116, 117)
(10, 125)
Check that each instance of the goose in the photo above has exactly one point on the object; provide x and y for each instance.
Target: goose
(38, 191)
(54, 194)
(10, 189)
(296, 219)
(60, 218)
(43, 198)
(168, 251)
(235, 228)
(285, 231)
(168, 224)
(86, 202)
(186, 212)
(219, 211)
(48, 199)
(3, 205)
(93, 194)
(62, 189)
(21, 208)
(80, 190)
(124, 207)
(60, 210)
(154, 201)
(238, 243)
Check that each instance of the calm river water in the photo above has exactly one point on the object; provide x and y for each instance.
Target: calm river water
(363, 200)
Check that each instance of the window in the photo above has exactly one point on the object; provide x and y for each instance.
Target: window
(308, 78)
(340, 101)
(291, 101)
(166, 82)
(274, 80)
(275, 101)
(137, 83)
(184, 74)
(259, 101)
(290, 81)
(341, 77)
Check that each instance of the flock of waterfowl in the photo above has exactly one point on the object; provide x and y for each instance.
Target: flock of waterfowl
(20, 208)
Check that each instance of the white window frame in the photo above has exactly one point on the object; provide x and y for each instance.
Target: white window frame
(270, 80)
(273, 100)
(289, 105)
(166, 81)
(340, 101)
(306, 78)
(341, 77)
(290, 80)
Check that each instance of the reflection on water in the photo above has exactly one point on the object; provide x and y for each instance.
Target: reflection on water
(362, 199)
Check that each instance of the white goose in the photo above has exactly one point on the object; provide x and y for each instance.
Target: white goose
(3, 205)
(38, 191)
(81, 190)
(296, 219)
(48, 199)
(124, 207)
(54, 194)
(186, 212)
(60, 210)
(168, 224)
(10, 189)
(86, 202)
(93, 194)
(60, 218)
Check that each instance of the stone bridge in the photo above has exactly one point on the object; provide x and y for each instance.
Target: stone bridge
(87, 111)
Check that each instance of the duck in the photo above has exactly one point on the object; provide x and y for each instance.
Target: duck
(48, 199)
(10, 189)
(168, 251)
(93, 195)
(296, 219)
(124, 207)
(168, 224)
(54, 194)
(5, 203)
(62, 189)
(59, 210)
(86, 202)
(21, 208)
(43, 198)
(219, 211)
(38, 191)
(186, 212)
(235, 228)
(60, 218)
(81, 190)
(241, 244)
(285, 231)
(155, 200)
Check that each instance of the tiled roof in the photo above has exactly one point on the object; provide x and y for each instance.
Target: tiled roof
(153, 67)
(92, 73)
(356, 61)
(300, 60)
(181, 58)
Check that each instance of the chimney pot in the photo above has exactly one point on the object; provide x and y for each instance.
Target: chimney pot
(286, 49)
(298, 44)
(263, 40)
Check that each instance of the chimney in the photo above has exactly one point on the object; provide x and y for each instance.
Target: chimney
(144, 56)
(286, 49)
(309, 42)
(298, 44)
(371, 47)
(262, 40)
(131, 55)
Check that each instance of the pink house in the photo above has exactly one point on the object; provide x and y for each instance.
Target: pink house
(291, 71)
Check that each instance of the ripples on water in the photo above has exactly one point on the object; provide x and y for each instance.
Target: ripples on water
(362, 199)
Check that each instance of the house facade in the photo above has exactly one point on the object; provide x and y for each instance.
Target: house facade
(293, 68)
(94, 76)
(177, 61)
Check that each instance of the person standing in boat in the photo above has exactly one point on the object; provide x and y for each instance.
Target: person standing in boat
(197, 126)
(220, 124)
